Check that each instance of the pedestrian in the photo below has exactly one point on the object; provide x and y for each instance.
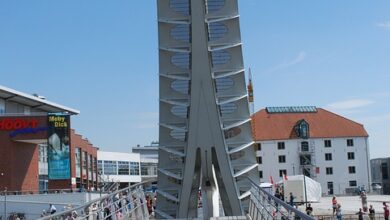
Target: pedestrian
(363, 196)
(291, 199)
(371, 213)
(309, 210)
(360, 214)
(149, 204)
(334, 204)
(338, 212)
(385, 211)
(52, 209)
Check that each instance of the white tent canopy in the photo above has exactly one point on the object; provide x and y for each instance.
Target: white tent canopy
(296, 185)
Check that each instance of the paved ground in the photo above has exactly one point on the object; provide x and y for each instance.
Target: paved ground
(349, 204)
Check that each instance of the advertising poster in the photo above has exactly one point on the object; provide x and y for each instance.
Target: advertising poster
(58, 146)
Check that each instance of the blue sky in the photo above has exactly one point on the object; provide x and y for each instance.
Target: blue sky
(100, 57)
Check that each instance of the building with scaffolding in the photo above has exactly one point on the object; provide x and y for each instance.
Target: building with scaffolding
(205, 132)
(324, 146)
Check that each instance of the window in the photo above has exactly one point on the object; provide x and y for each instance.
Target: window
(350, 142)
(305, 159)
(281, 172)
(134, 168)
(328, 156)
(100, 166)
(329, 170)
(259, 160)
(351, 169)
(123, 168)
(261, 174)
(281, 146)
(352, 183)
(78, 161)
(2, 106)
(351, 155)
(305, 146)
(259, 147)
(385, 172)
(110, 167)
(282, 159)
(327, 143)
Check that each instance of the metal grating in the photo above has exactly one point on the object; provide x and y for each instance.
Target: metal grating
(181, 32)
(217, 31)
(178, 135)
(232, 132)
(181, 60)
(220, 57)
(223, 84)
(180, 111)
(180, 6)
(228, 108)
(292, 109)
(181, 86)
(214, 5)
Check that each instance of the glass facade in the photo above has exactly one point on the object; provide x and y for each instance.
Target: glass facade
(78, 161)
(90, 165)
(134, 168)
(110, 167)
(123, 168)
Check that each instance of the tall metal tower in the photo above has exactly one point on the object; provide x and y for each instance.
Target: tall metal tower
(205, 133)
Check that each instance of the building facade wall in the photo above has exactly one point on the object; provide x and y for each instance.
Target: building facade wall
(114, 159)
(341, 168)
(380, 170)
(19, 154)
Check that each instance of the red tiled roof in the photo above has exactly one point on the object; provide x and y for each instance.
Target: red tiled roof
(322, 124)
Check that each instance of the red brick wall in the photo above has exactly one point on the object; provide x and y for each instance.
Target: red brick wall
(19, 160)
(85, 146)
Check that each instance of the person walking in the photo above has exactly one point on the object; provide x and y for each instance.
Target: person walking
(360, 214)
(334, 204)
(363, 196)
(338, 212)
(371, 214)
(291, 199)
(385, 211)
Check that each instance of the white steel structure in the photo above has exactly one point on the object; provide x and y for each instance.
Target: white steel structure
(205, 132)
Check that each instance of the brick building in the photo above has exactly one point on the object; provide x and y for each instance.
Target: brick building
(25, 127)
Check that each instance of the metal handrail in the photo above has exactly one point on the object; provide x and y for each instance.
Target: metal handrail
(277, 204)
(131, 189)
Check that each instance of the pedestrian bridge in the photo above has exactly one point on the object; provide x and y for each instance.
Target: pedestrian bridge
(131, 203)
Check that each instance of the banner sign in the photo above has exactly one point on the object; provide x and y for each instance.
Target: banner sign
(58, 146)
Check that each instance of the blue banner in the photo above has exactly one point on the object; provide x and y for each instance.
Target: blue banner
(58, 142)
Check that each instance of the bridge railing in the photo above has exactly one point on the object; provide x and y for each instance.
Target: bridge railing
(264, 206)
(127, 203)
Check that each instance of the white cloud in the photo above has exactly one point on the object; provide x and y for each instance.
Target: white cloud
(376, 119)
(350, 104)
(298, 59)
(384, 25)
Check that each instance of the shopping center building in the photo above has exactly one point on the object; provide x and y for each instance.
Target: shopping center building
(38, 149)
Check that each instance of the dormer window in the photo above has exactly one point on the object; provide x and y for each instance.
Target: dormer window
(302, 129)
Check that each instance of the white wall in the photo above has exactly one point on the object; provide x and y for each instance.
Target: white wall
(117, 156)
(340, 163)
